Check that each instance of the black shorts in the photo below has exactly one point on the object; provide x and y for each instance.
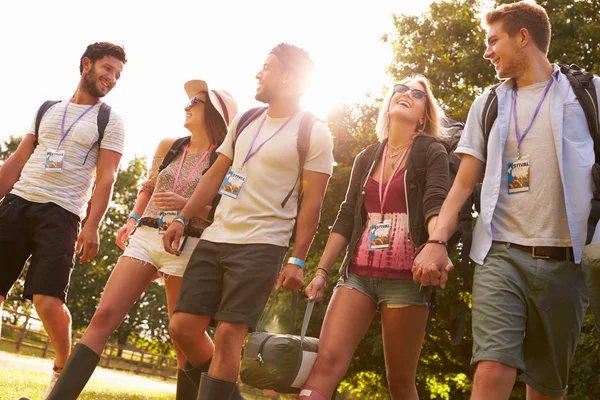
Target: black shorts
(230, 282)
(47, 233)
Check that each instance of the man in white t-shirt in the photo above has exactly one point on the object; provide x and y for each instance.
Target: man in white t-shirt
(236, 264)
(46, 185)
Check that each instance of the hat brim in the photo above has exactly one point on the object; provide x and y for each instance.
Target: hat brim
(220, 99)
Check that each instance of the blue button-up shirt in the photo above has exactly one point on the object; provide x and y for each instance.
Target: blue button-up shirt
(574, 149)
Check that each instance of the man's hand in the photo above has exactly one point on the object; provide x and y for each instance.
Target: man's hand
(314, 290)
(428, 266)
(124, 232)
(88, 241)
(169, 201)
(172, 238)
(291, 278)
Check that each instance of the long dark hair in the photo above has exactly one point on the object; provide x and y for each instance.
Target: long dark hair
(214, 122)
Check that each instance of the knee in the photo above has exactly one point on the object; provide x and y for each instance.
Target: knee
(230, 335)
(328, 361)
(182, 329)
(105, 319)
(47, 306)
(494, 373)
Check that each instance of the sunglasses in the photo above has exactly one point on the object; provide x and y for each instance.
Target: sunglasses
(194, 100)
(415, 93)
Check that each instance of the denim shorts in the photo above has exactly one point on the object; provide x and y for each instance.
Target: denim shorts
(395, 293)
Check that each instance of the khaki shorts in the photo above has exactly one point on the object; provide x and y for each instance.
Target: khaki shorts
(527, 314)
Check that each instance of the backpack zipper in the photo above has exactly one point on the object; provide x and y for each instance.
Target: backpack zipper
(259, 357)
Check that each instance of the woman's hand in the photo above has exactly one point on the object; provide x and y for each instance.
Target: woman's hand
(169, 201)
(314, 290)
(124, 232)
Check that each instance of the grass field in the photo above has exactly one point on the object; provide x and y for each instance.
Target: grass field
(15, 383)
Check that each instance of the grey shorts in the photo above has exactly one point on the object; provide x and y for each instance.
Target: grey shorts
(230, 282)
(527, 314)
(395, 293)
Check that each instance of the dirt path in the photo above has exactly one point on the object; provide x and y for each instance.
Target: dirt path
(9, 360)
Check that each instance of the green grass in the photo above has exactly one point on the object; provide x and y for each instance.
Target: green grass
(15, 383)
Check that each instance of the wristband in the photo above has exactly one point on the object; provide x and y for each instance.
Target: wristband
(135, 217)
(296, 261)
(436, 241)
(324, 270)
(180, 219)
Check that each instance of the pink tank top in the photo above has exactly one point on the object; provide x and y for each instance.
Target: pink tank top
(395, 261)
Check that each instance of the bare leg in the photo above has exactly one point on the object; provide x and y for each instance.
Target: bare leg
(403, 330)
(348, 318)
(188, 331)
(57, 322)
(229, 339)
(493, 381)
(127, 282)
(173, 285)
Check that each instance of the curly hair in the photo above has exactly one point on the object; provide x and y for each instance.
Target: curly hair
(99, 50)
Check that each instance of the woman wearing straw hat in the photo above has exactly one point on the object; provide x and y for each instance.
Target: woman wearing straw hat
(163, 194)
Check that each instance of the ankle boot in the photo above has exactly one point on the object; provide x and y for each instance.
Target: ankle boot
(76, 373)
(186, 388)
(215, 389)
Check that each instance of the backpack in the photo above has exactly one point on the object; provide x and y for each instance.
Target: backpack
(103, 118)
(583, 87)
(175, 147)
(303, 146)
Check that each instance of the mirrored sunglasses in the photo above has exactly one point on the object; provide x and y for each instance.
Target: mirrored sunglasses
(194, 100)
(415, 93)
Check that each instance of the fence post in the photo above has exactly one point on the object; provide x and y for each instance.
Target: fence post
(110, 348)
(22, 334)
(139, 366)
(46, 347)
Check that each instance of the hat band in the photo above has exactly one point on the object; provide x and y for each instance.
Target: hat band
(223, 107)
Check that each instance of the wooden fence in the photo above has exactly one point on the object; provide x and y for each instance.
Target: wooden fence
(131, 359)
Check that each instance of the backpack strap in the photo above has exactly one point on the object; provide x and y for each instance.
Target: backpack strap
(303, 145)
(245, 120)
(175, 147)
(583, 86)
(40, 114)
(490, 113)
(103, 118)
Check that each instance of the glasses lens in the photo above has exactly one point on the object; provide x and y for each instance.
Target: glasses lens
(418, 94)
(400, 88)
(191, 102)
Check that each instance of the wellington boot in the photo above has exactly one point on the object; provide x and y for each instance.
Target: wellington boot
(215, 389)
(76, 373)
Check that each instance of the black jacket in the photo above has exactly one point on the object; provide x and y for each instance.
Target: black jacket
(426, 181)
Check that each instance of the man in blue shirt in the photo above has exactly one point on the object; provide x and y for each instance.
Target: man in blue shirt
(529, 296)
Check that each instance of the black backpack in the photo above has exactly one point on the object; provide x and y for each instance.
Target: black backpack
(583, 87)
(303, 145)
(175, 147)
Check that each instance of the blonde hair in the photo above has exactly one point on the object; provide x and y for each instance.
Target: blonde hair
(434, 115)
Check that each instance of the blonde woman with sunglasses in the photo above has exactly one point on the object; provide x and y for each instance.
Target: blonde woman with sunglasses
(380, 223)
(208, 113)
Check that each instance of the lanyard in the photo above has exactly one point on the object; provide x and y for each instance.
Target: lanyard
(191, 173)
(537, 110)
(383, 196)
(62, 125)
(252, 153)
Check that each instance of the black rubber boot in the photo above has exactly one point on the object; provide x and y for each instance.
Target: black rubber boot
(215, 389)
(186, 388)
(194, 374)
(76, 373)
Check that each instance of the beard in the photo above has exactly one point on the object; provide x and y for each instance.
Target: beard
(264, 96)
(90, 84)
(517, 66)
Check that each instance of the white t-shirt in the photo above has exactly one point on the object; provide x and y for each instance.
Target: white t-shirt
(537, 217)
(257, 216)
(72, 187)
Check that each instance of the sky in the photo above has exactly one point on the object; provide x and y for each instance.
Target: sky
(170, 42)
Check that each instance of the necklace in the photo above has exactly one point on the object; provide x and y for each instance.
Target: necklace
(400, 147)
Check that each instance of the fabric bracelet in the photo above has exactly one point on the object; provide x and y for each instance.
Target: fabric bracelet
(324, 270)
(296, 261)
(180, 219)
(430, 241)
(135, 217)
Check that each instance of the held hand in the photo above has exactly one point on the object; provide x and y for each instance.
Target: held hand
(169, 201)
(87, 240)
(445, 271)
(172, 238)
(124, 232)
(314, 290)
(428, 264)
(291, 278)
